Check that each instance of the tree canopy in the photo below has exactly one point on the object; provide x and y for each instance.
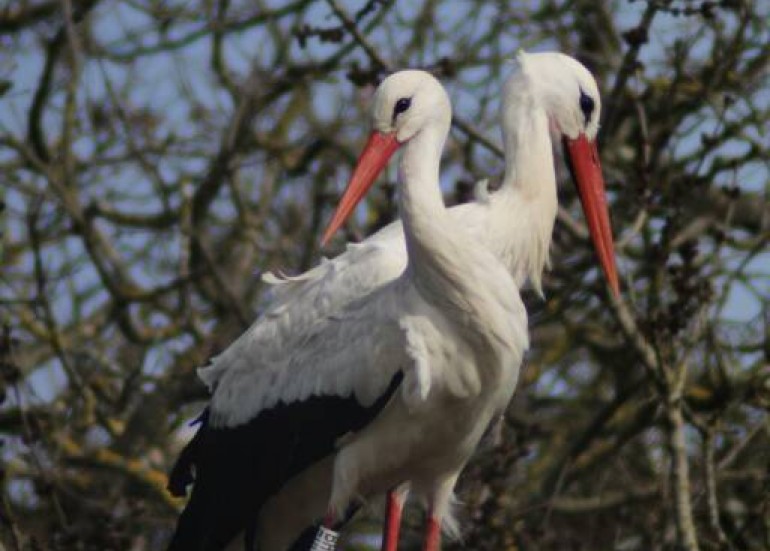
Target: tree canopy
(156, 157)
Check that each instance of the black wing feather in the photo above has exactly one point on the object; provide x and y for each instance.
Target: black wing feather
(234, 470)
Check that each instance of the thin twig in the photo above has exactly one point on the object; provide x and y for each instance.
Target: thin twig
(680, 467)
(711, 488)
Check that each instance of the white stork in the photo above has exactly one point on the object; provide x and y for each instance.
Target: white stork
(300, 378)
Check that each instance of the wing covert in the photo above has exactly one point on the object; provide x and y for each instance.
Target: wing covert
(354, 352)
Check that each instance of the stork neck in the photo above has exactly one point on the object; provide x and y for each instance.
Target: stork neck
(525, 211)
(449, 270)
(529, 166)
(420, 202)
(440, 257)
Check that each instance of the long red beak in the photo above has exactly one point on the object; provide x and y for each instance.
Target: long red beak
(586, 169)
(379, 149)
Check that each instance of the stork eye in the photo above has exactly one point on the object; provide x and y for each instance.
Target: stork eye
(401, 105)
(586, 106)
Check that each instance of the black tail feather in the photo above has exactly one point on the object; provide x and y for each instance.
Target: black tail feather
(235, 470)
(183, 472)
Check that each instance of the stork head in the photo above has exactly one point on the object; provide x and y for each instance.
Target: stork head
(405, 104)
(565, 89)
(409, 101)
(569, 96)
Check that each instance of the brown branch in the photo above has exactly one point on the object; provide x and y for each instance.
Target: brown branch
(54, 48)
(41, 281)
(637, 38)
(14, 21)
(584, 438)
(603, 502)
(680, 466)
(711, 488)
(351, 27)
(230, 298)
(133, 469)
(158, 221)
(237, 133)
(202, 32)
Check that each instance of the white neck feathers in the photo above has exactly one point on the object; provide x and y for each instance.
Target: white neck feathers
(449, 269)
(526, 208)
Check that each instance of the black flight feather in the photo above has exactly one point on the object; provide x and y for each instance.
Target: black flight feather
(235, 470)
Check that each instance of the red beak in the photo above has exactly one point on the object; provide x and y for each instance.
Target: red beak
(586, 169)
(379, 149)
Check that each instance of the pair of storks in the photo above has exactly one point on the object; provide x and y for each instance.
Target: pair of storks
(379, 371)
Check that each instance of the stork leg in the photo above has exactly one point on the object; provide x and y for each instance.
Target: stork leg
(440, 504)
(432, 540)
(330, 520)
(396, 499)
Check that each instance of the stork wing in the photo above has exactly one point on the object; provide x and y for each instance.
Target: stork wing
(362, 268)
(354, 352)
(302, 305)
(272, 417)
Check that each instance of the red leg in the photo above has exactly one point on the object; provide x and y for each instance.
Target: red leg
(393, 520)
(432, 535)
(330, 519)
